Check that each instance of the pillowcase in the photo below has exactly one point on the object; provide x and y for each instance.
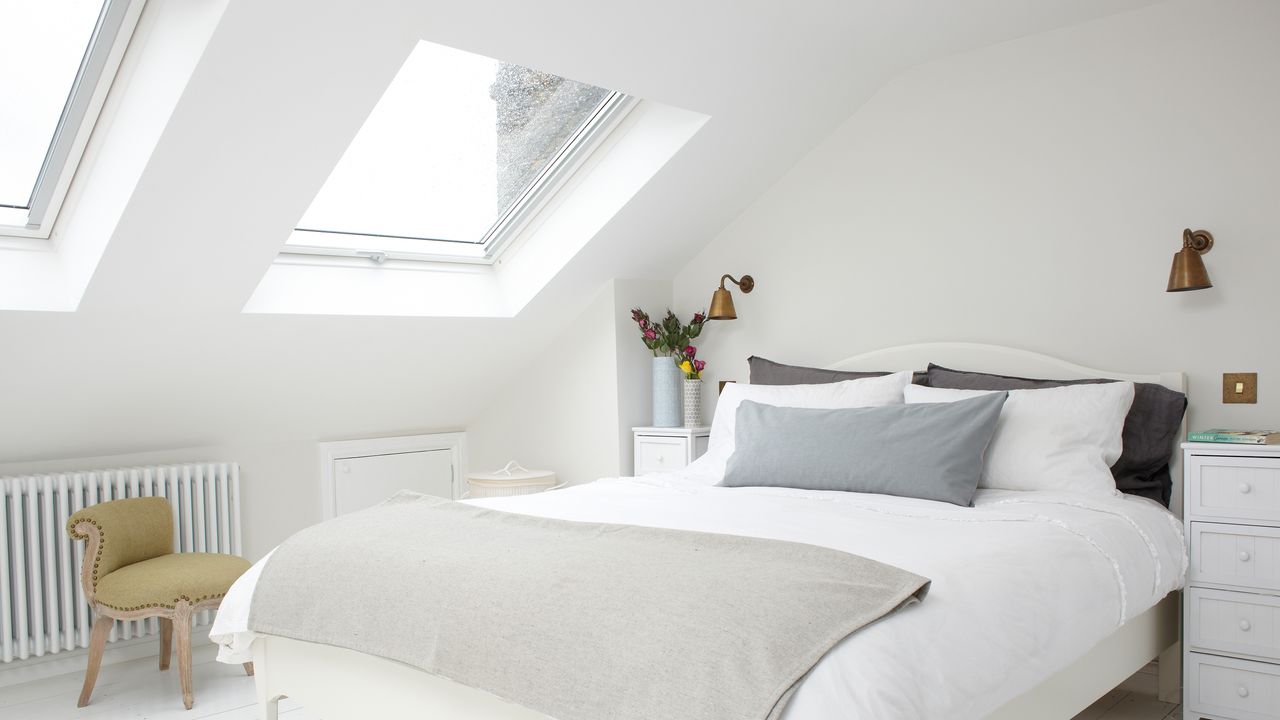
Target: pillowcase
(933, 452)
(1151, 429)
(867, 392)
(1062, 438)
(768, 372)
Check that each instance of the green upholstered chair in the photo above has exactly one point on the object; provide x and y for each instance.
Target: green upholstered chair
(131, 572)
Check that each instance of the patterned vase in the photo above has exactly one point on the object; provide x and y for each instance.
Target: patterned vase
(692, 403)
(666, 392)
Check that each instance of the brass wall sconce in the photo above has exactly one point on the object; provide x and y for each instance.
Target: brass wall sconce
(1188, 271)
(722, 301)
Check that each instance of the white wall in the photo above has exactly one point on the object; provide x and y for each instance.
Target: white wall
(1032, 194)
(571, 410)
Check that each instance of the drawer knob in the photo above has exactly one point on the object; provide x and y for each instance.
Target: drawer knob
(662, 459)
(1244, 625)
(1242, 691)
(1244, 556)
(1245, 488)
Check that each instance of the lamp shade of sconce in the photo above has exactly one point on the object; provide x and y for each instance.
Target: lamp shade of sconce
(1188, 271)
(722, 302)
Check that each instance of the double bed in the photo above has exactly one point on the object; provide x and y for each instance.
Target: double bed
(1040, 601)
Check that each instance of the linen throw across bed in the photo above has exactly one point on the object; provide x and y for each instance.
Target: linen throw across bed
(580, 621)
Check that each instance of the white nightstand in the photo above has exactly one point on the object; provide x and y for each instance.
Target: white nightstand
(666, 449)
(1231, 607)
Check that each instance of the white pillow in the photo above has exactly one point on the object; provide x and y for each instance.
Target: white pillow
(864, 392)
(1063, 438)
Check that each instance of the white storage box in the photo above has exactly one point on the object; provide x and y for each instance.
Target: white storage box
(510, 480)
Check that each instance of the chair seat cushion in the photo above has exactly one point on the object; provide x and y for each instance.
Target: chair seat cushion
(162, 581)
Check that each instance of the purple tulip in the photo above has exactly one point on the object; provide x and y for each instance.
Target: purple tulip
(698, 318)
(650, 335)
(699, 365)
(691, 352)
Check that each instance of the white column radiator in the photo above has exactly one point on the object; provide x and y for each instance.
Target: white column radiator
(42, 606)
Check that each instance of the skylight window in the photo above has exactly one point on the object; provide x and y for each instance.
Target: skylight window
(455, 157)
(56, 59)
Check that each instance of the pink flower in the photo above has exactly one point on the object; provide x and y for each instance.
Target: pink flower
(698, 318)
(650, 335)
(699, 365)
(691, 351)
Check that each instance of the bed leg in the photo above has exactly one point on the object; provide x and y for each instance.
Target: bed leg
(268, 703)
(1169, 678)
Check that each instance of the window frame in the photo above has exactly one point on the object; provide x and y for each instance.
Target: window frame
(80, 113)
(501, 235)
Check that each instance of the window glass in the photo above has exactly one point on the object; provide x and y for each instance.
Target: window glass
(42, 44)
(456, 143)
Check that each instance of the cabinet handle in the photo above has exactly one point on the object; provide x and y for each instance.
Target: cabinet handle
(1245, 488)
(1244, 625)
(1244, 556)
(1242, 691)
(662, 459)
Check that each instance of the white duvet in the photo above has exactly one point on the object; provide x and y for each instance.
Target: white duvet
(1024, 583)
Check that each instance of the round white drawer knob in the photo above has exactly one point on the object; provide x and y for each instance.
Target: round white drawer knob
(1245, 488)
(1242, 691)
(1244, 556)
(1244, 625)
(661, 459)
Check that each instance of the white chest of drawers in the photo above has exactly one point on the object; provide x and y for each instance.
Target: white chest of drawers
(1231, 608)
(660, 449)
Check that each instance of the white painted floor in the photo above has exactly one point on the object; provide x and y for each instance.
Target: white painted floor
(136, 690)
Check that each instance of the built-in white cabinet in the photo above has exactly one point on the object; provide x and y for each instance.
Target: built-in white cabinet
(357, 474)
(1231, 607)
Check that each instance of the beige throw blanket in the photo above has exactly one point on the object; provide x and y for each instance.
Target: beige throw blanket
(580, 621)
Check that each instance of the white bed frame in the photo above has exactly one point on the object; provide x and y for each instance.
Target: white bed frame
(347, 685)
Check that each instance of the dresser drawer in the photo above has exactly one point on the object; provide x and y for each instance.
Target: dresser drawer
(660, 454)
(1235, 555)
(1234, 622)
(1233, 688)
(1234, 488)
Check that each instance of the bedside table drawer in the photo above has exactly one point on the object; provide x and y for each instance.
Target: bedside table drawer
(658, 454)
(1237, 555)
(1234, 622)
(1233, 688)
(1235, 488)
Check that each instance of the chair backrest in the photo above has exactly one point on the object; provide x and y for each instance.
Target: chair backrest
(119, 533)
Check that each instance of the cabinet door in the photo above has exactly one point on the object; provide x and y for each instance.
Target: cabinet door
(361, 482)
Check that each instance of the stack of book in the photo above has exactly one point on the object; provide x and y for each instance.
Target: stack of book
(1240, 437)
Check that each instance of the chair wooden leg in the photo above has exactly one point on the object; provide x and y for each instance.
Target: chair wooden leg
(182, 629)
(248, 669)
(166, 642)
(97, 642)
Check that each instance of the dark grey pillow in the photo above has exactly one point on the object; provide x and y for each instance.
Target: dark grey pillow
(1150, 429)
(932, 451)
(768, 372)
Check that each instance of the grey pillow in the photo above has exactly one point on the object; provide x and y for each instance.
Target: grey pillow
(932, 451)
(768, 372)
(1150, 429)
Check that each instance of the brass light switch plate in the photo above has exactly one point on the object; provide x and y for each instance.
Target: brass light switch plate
(1240, 388)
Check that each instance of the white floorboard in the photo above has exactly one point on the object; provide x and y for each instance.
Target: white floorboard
(136, 690)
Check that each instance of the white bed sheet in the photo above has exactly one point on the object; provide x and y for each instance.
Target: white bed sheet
(1024, 583)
